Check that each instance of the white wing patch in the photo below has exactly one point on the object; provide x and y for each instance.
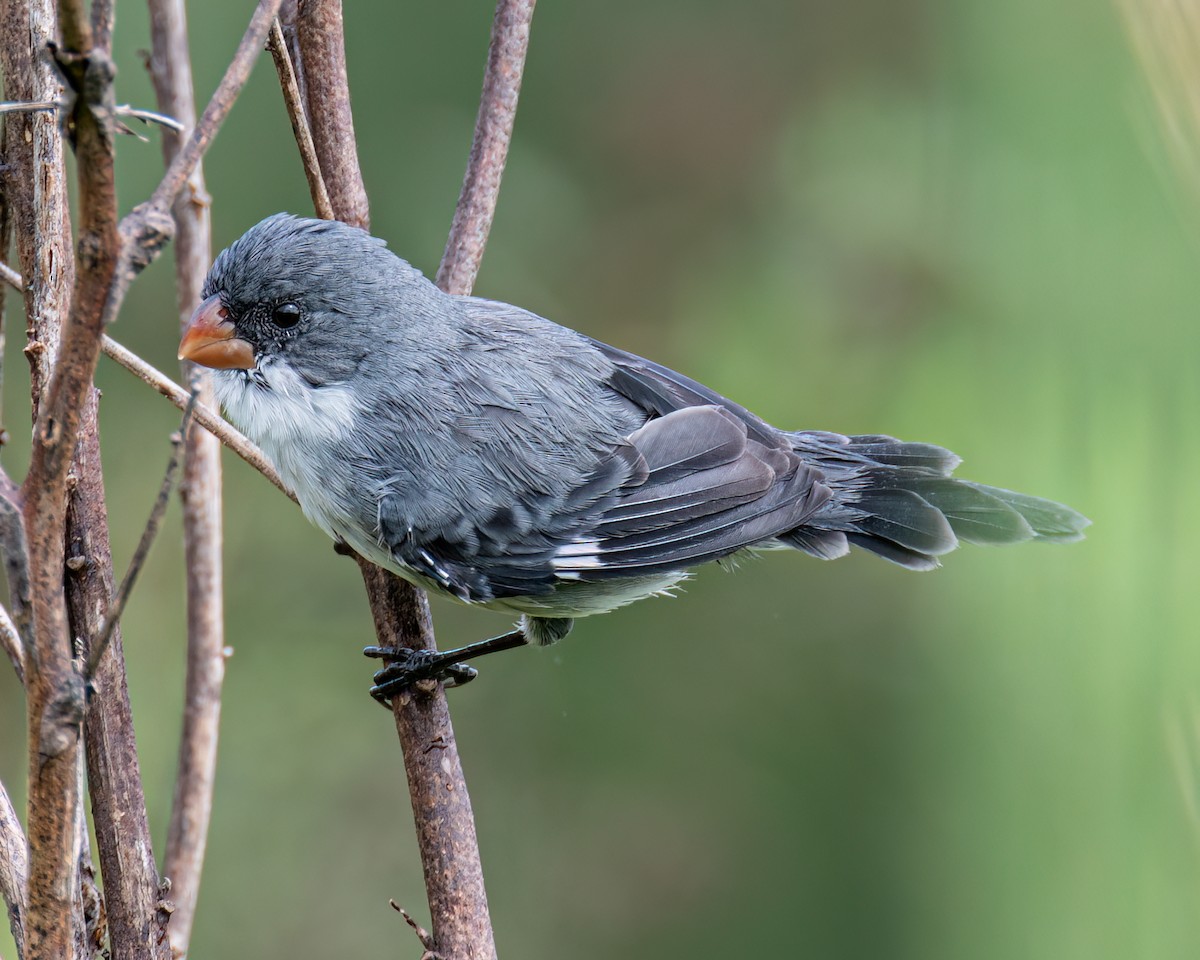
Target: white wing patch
(582, 553)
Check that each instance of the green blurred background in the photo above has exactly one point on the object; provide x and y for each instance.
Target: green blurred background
(944, 220)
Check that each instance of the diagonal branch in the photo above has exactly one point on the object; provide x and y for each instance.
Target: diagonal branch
(489, 148)
(116, 609)
(220, 428)
(14, 868)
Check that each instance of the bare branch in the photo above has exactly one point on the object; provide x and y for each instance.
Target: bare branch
(14, 646)
(191, 807)
(104, 13)
(149, 116)
(54, 689)
(212, 422)
(16, 566)
(131, 888)
(293, 101)
(31, 106)
(11, 277)
(489, 149)
(14, 868)
(327, 89)
(34, 154)
(218, 107)
(99, 645)
(441, 805)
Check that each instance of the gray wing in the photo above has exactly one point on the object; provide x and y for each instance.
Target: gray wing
(685, 488)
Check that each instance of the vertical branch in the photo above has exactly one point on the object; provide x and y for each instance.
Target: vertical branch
(126, 855)
(35, 181)
(191, 808)
(441, 806)
(327, 91)
(35, 186)
(489, 148)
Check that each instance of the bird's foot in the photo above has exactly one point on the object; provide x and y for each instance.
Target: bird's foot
(410, 666)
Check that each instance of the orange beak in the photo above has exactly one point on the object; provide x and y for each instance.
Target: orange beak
(209, 339)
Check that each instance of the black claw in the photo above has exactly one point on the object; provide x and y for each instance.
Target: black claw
(412, 666)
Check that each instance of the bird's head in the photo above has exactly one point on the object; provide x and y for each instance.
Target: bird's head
(308, 295)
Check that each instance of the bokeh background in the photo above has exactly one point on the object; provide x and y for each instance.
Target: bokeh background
(944, 220)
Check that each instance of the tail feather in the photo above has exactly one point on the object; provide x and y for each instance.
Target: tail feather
(898, 501)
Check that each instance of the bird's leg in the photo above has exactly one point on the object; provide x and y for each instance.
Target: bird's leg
(408, 666)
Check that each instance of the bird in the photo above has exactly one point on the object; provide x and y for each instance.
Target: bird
(483, 452)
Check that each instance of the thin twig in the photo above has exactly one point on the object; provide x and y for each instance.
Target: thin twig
(218, 106)
(424, 937)
(210, 421)
(103, 15)
(14, 646)
(489, 148)
(16, 560)
(293, 101)
(30, 106)
(100, 644)
(149, 116)
(14, 868)
(11, 277)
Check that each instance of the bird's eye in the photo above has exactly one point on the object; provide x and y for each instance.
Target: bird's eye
(285, 315)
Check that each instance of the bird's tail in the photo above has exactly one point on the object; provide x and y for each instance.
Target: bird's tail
(899, 501)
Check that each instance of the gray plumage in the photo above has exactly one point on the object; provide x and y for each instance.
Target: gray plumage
(485, 452)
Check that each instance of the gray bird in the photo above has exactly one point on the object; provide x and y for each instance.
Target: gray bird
(481, 451)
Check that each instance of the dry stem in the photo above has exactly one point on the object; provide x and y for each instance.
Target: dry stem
(14, 867)
(489, 149)
(441, 806)
(191, 807)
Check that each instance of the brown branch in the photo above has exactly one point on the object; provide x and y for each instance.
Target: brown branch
(116, 609)
(135, 922)
(191, 808)
(219, 105)
(148, 227)
(441, 805)
(327, 92)
(294, 102)
(212, 422)
(104, 13)
(14, 868)
(489, 148)
(54, 689)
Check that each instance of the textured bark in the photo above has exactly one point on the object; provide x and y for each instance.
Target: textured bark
(442, 814)
(14, 868)
(327, 91)
(136, 923)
